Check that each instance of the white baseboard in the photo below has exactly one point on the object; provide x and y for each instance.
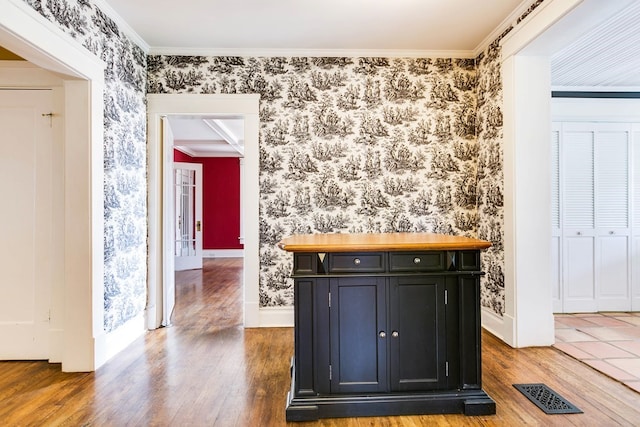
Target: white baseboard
(108, 345)
(276, 317)
(492, 322)
(223, 253)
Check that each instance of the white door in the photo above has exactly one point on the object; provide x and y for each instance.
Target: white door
(26, 152)
(578, 219)
(635, 214)
(613, 233)
(592, 237)
(188, 215)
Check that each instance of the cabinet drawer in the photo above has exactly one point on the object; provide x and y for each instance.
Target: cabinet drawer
(468, 261)
(370, 262)
(417, 261)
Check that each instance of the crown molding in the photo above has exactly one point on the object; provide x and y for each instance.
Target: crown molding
(506, 23)
(122, 24)
(346, 53)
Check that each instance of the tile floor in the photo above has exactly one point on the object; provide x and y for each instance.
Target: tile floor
(608, 342)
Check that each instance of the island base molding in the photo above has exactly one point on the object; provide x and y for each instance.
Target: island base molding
(311, 408)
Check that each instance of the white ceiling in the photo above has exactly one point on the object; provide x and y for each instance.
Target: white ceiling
(598, 50)
(607, 55)
(202, 136)
(250, 25)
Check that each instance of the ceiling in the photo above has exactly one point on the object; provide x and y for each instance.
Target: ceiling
(250, 25)
(203, 136)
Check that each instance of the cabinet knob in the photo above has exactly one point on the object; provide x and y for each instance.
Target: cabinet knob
(382, 334)
(356, 261)
(395, 334)
(612, 232)
(579, 233)
(416, 260)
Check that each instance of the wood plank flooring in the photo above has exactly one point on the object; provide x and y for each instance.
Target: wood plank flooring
(207, 370)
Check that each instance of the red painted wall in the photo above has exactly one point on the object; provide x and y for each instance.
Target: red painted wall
(220, 200)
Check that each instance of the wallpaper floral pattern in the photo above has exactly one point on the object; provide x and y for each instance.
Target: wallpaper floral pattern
(348, 145)
(125, 187)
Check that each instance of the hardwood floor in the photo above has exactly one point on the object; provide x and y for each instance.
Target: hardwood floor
(207, 370)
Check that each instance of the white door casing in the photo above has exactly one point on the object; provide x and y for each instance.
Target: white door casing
(26, 223)
(161, 255)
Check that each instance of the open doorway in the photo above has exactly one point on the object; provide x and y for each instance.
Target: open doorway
(208, 152)
(161, 155)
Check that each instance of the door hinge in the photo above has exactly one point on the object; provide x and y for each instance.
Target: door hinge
(329, 299)
(446, 296)
(446, 369)
(330, 373)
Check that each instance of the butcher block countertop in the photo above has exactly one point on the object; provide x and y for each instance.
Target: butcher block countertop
(370, 242)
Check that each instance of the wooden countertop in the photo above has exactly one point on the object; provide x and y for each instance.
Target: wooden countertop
(379, 242)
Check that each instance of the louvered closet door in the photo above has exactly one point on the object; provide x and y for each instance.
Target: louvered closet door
(613, 288)
(635, 173)
(578, 218)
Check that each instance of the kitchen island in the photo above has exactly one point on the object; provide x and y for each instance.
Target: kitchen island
(386, 324)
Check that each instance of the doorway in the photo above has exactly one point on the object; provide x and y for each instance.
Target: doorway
(161, 256)
(82, 342)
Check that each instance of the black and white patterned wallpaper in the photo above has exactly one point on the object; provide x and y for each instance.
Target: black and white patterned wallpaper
(348, 144)
(125, 185)
(491, 168)
(491, 177)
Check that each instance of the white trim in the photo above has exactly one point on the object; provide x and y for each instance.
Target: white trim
(29, 35)
(502, 27)
(160, 158)
(528, 317)
(347, 53)
(277, 317)
(122, 24)
(596, 88)
(108, 345)
(492, 322)
(539, 21)
(223, 253)
(595, 110)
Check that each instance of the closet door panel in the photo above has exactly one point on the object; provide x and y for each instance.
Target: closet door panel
(612, 216)
(578, 218)
(635, 216)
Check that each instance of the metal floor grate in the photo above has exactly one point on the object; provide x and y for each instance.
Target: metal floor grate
(547, 399)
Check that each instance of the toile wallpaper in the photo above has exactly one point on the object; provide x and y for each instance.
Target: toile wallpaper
(349, 145)
(125, 185)
(346, 145)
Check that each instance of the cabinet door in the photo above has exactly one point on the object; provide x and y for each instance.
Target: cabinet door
(417, 348)
(358, 335)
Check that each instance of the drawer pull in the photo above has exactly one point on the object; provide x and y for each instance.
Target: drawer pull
(416, 260)
(356, 261)
(382, 334)
(395, 334)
